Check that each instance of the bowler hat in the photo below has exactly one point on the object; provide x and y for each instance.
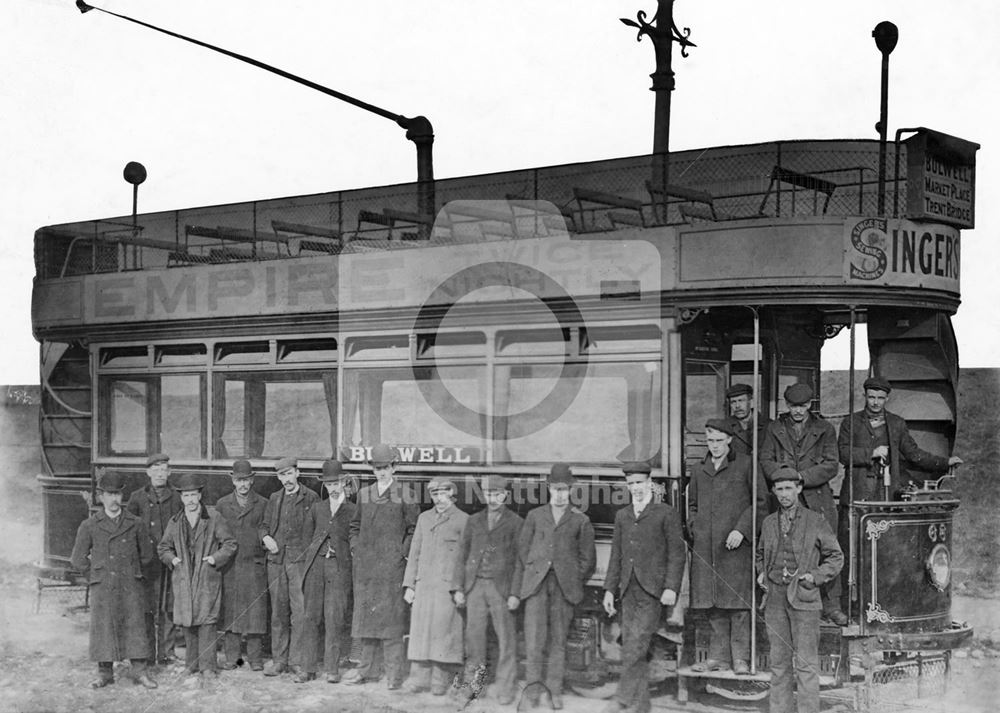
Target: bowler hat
(188, 481)
(332, 470)
(242, 469)
(383, 455)
(720, 424)
(111, 482)
(560, 474)
(285, 463)
(440, 482)
(786, 472)
(799, 393)
(636, 467)
(157, 458)
(494, 481)
(878, 383)
(739, 390)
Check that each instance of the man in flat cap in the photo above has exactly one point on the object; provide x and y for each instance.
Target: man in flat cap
(807, 443)
(436, 647)
(721, 506)
(796, 554)
(112, 550)
(327, 575)
(484, 575)
(874, 438)
(196, 545)
(281, 534)
(742, 410)
(645, 569)
(244, 578)
(556, 547)
(154, 505)
(381, 531)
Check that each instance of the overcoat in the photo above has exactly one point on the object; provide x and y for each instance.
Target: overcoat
(113, 557)
(814, 457)
(567, 548)
(435, 621)
(718, 503)
(287, 533)
(381, 531)
(500, 544)
(816, 551)
(244, 578)
(650, 547)
(196, 585)
(902, 448)
(154, 513)
(743, 437)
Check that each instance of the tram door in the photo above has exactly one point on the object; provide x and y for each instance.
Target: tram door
(705, 383)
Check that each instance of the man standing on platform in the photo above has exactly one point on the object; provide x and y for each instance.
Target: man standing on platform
(154, 505)
(381, 531)
(112, 550)
(808, 444)
(740, 420)
(556, 547)
(244, 579)
(281, 534)
(797, 553)
(645, 568)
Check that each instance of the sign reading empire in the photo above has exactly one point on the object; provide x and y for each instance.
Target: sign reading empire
(901, 253)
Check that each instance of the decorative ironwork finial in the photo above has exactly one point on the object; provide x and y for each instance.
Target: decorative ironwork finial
(655, 33)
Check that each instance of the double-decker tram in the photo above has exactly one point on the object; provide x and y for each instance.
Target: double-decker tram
(587, 314)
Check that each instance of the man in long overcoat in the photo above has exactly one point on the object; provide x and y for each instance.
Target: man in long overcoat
(556, 547)
(281, 534)
(195, 546)
(244, 578)
(154, 505)
(740, 400)
(381, 531)
(721, 506)
(435, 649)
(327, 575)
(807, 443)
(112, 550)
(484, 573)
(797, 552)
(645, 568)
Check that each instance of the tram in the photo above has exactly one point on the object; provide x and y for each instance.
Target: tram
(589, 313)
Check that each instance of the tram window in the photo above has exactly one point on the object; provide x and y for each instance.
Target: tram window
(622, 339)
(704, 391)
(181, 415)
(595, 413)
(421, 406)
(525, 342)
(271, 414)
(243, 353)
(125, 356)
(127, 409)
(394, 346)
(307, 350)
(440, 345)
(175, 354)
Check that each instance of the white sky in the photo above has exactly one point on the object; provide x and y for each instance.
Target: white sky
(507, 85)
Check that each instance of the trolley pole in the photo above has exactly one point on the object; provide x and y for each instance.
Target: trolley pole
(886, 35)
(663, 32)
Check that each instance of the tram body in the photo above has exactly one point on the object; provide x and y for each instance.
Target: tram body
(581, 314)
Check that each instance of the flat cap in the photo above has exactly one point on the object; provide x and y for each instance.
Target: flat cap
(560, 474)
(739, 390)
(157, 458)
(799, 393)
(383, 455)
(878, 383)
(241, 469)
(111, 482)
(786, 472)
(494, 481)
(285, 463)
(440, 482)
(332, 470)
(188, 481)
(636, 466)
(720, 424)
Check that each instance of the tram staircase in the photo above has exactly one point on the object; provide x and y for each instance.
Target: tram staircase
(917, 352)
(65, 420)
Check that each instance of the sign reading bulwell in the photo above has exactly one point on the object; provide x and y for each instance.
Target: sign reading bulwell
(941, 179)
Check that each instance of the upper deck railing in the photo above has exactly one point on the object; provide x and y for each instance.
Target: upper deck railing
(776, 179)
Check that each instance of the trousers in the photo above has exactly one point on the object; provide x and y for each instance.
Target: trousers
(794, 638)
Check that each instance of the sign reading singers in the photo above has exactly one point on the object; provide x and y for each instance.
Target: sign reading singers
(902, 253)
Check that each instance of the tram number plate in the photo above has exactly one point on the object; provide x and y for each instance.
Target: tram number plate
(937, 532)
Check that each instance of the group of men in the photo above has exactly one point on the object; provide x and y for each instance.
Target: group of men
(444, 577)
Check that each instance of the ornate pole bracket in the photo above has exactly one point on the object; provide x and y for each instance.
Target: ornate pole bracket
(662, 37)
